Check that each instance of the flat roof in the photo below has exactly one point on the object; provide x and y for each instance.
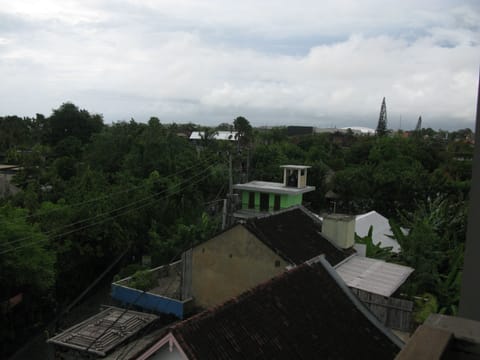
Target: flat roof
(217, 135)
(104, 331)
(272, 187)
(297, 167)
(373, 275)
(8, 167)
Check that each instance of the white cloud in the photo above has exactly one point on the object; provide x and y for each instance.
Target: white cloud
(205, 60)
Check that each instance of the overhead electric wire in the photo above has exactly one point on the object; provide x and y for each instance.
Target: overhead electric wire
(111, 211)
(102, 221)
(109, 218)
(199, 164)
(91, 200)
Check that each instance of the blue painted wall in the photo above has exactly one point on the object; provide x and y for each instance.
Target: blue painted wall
(155, 303)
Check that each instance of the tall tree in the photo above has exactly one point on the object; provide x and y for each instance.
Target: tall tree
(382, 120)
(244, 129)
(419, 124)
(69, 120)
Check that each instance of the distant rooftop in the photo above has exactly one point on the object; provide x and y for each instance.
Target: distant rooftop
(101, 333)
(296, 167)
(8, 167)
(360, 129)
(218, 135)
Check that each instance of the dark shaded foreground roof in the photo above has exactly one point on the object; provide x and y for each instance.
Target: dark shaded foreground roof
(305, 313)
(296, 236)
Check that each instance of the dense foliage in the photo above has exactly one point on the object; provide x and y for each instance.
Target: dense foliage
(90, 192)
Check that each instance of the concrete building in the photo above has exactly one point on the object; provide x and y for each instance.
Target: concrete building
(264, 197)
(7, 172)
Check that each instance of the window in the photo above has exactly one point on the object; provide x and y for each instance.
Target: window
(251, 200)
(264, 201)
(276, 204)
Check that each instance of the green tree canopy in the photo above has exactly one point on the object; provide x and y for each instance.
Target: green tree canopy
(69, 120)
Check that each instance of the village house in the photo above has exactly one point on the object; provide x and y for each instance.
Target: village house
(241, 257)
(258, 249)
(261, 198)
(283, 318)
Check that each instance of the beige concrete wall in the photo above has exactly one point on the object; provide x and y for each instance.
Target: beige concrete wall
(230, 263)
(340, 228)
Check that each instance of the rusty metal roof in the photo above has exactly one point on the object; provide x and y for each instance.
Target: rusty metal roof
(104, 331)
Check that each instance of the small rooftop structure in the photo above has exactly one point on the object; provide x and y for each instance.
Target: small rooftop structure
(217, 135)
(101, 333)
(266, 196)
(372, 275)
(285, 317)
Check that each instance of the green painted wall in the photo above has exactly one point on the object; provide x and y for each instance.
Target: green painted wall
(286, 201)
(290, 200)
(245, 195)
(257, 201)
(271, 202)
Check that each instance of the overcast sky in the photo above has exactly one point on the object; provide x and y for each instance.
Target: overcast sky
(321, 63)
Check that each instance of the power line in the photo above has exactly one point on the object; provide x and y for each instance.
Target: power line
(104, 220)
(119, 192)
(187, 181)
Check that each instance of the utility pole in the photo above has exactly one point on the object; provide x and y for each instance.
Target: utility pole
(248, 164)
(228, 203)
(224, 214)
(230, 179)
(469, 294)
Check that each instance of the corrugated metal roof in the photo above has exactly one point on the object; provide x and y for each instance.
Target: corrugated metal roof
(104, 331)
(218, 135)
(372, 275)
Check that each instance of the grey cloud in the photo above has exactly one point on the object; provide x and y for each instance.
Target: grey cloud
(206, 62)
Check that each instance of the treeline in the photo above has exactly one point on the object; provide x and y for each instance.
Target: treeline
(91, 192)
